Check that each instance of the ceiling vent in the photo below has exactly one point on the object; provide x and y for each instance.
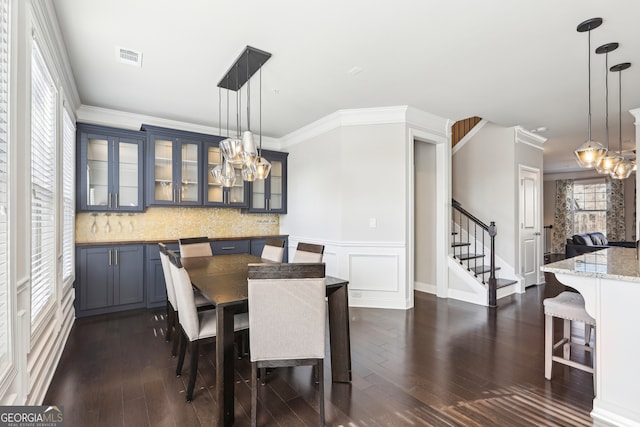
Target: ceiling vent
(129, 56)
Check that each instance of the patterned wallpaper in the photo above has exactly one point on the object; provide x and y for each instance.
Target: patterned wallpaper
(159, 223)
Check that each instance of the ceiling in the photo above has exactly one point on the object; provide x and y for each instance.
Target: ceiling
(513, 63)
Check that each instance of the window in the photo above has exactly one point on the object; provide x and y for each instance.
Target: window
(4, 175)
(590, 206)
(43, 188)
(68, 196)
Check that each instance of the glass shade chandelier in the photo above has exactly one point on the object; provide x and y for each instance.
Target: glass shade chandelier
(624, 168)
(590, 152)
(240, 152)
(608, 162)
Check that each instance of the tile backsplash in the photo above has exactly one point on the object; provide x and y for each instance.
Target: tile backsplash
(158, 223)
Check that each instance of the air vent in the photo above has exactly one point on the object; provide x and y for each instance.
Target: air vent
(129, 56)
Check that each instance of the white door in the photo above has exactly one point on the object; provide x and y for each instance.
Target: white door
(529, 225)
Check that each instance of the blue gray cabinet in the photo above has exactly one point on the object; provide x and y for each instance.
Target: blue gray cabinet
(270, 195)
(110, 169)
(109, 278)
(175, 166)
(236, 196)
(154, 279)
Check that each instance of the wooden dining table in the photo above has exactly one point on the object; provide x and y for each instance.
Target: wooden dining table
(223, 279)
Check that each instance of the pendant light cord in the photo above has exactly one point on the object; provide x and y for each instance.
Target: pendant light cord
(248, 94)
(260, 108)
(606, 97)
(589, 83)
(620, 113)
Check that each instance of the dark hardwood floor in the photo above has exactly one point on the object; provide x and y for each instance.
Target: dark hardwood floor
(443, 363)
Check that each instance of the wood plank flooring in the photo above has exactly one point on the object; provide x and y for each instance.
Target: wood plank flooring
(443, 363)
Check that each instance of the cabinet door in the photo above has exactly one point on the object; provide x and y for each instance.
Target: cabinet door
(188, 189)
(129, 278)
(95, 278)
(127, 175)
(270, 195)
(215, 194)
(160, 189)
(97, 167)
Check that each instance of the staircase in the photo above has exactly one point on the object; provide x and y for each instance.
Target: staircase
(473, 247)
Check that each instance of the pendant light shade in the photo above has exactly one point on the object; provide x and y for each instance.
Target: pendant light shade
(590, 152)
(624, 168)
(607, 163)
(228, 174)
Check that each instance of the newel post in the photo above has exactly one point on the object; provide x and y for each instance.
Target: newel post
(493, 290)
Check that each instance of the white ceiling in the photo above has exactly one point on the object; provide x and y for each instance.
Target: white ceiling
(510, 62)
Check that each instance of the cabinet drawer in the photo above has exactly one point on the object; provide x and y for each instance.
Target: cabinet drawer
(230, 247)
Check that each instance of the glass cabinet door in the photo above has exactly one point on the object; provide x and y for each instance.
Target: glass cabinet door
(189, 173)
(128, 191)
(258, 196)
(163, 170)
(275, 199)
(97, 171)
(214, 193)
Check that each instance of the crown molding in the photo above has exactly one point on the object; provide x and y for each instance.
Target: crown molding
(402, 114)
(524, 136)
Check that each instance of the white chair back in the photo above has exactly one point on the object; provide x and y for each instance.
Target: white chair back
(308, 253)
(272, 253)
(168, 280)
(195, 246)
(287, 316)
(186, 301)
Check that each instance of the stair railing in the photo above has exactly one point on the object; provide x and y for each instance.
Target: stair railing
(473, 234)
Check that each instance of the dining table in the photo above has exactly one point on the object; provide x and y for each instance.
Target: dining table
(223, 280)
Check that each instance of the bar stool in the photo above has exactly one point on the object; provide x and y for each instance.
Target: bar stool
(570, 307)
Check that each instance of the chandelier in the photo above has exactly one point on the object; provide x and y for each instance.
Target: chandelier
(240, 152)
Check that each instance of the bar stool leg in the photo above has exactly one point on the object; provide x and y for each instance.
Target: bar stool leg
(566, 348)
(548, 345)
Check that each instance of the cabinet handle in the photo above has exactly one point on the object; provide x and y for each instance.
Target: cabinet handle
(227, 248)
(110, 257)
(109, 198)
(117, 201)
(117, 256)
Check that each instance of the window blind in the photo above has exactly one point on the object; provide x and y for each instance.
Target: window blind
(68, 185)
(43, 178)
(4, 177)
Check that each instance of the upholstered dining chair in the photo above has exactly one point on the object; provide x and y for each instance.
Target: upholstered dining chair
(273, 250)
(287, 316)
(308, 252)
(196, 326)
(195, 246)
(202, 303)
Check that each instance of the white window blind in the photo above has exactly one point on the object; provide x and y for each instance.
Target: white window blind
(43, 178)
(4, 174)
(68, 185)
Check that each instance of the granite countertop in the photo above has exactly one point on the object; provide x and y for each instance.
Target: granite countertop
(613, 263)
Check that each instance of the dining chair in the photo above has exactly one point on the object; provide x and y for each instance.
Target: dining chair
(273, 250)
(202, 303)
(195, 246)
(308, 252)
(287, 316)
(196, 326)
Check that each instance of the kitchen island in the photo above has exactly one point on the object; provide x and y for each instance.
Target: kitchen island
(609, 281)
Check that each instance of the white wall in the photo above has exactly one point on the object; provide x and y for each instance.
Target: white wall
(351, 189)
(484, 182)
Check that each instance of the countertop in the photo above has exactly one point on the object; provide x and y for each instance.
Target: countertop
(154, 241)
(613, 263)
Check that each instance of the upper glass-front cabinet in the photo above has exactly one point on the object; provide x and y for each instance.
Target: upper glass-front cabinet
(215, 194)
(110, 169)
(270, 195)
(175, 166)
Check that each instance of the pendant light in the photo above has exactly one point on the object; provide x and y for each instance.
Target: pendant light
(625, 167)
(232, 147)
(227, 173)
(249, 152)
(216, 171)
(590, 152)
(607, 163)
(262, 165)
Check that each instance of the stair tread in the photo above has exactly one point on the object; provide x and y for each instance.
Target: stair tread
(482, 269)
(501, 283)
(459, 244)
(464, 257)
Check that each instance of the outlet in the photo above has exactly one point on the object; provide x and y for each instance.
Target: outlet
(373, 223)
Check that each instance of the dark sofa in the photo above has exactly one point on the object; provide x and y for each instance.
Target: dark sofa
(582, 243)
